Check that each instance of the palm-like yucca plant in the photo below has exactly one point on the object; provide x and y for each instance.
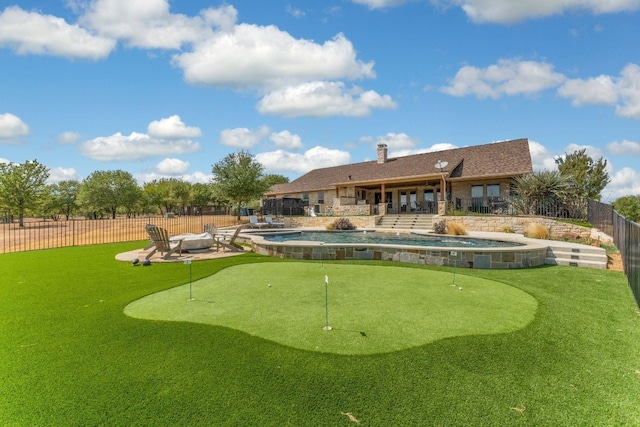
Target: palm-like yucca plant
(537, 191)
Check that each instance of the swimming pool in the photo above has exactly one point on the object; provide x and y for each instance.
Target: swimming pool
(365, 237)
(466, 252)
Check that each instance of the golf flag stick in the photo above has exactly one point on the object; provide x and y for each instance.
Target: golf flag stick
(326, 303)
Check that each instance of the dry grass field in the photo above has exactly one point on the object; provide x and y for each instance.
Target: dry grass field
(39, 234)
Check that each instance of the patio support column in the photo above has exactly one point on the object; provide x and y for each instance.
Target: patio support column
(382, 206)
(442, 203)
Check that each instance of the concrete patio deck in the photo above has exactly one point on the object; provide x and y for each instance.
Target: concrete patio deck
(141, 254)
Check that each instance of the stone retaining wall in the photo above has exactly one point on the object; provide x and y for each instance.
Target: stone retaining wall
(461, 258)
(519, 225)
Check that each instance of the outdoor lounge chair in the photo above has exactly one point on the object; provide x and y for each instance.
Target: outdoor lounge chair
(218, 238)
(254, 223)
(272, 223)
(160, 239)
(231, 244)
(151, 243)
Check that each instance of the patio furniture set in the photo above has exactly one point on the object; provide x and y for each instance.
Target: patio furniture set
(210, 239)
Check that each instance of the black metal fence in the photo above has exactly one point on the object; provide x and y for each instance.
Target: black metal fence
(575, 209)
(626, 236)
(76, 232)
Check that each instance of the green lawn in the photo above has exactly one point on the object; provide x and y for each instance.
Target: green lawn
(69, 355)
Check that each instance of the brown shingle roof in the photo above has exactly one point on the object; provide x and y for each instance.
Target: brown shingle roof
(507, 158)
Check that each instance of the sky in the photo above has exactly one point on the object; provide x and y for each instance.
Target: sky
(166, 89)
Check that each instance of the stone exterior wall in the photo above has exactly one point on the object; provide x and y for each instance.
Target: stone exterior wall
(351, 210)
(361, 222)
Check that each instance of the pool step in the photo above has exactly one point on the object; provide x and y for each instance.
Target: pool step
(576, 256)
(406, 221)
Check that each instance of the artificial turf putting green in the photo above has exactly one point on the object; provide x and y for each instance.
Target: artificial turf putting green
(372, 309)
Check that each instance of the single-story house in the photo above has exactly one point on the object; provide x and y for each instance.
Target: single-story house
(473, 178)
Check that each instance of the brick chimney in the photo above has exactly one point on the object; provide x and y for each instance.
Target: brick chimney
(382, 153)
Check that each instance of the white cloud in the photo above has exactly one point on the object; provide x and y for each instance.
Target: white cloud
(136, 146)
(323, 99)
(172, 166)
(59, 173)
(541, 158)
(623, 91)
(510, 11)
(625, 182)
(441, 147)
(252, 56)
(508, 77)
(411, 151)
(396, 141)
(193, 178)
(172, 128)
(286, 140)
(68, 138)
(597, 90)
(314, 158)
(34, 33)
(12, 128)
(624, 148)
(4, 160)
(243, 138)
(294, 11)
(629, 90)
(511, 77)
(149, 24)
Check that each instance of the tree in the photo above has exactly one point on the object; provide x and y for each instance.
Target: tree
(63, 196)
(239, 177)
(588, 177)
(628, 207)
(201, 195)
(169, 194)
(22, 186)
(272, 179)
(107, 191)
(153, 194)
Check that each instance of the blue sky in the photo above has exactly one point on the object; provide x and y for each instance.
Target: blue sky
(167, 89)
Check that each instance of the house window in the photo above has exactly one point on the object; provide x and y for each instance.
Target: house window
(320, 197)
(493, 190)
(476, 191)
(305, 199)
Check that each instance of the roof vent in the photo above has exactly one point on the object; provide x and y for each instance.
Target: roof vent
(382, 153)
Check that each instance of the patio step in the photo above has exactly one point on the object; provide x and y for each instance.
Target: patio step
(406, 221)
(577, 256)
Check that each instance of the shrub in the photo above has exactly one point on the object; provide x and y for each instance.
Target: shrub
(456, 229)
(341, 224)
(507, 229)
(440, 227)
(537, 231)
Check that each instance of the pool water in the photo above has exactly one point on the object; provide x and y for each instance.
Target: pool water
(362, 237)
